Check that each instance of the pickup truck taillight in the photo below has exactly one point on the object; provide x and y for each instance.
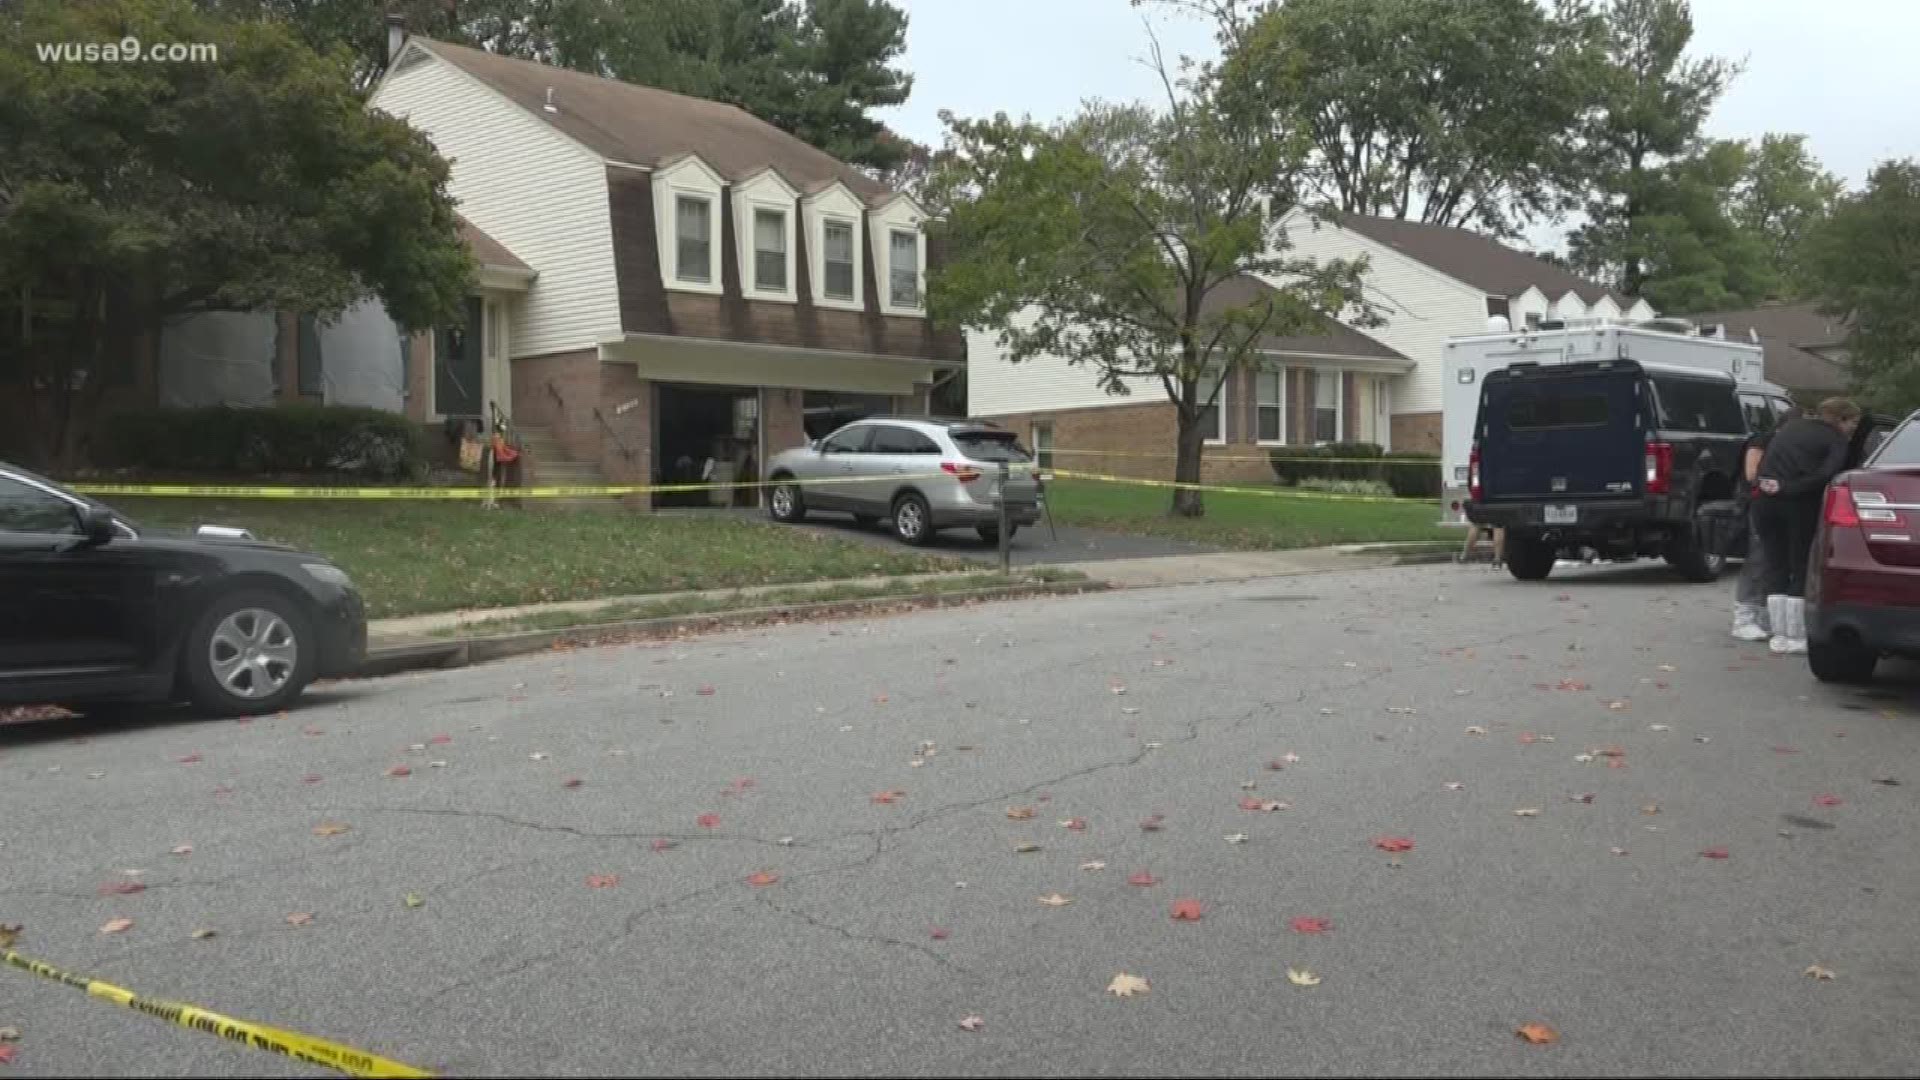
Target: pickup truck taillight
(1473, 473)
(1659, 468)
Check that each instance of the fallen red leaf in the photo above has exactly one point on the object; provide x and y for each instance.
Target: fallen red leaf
(705, 691)
(440, 740)
(189, 759)
(1827, 800)
(1529, 737)
(122, 888)
(1143, 877)
(743, 783)
(602, 881)
(762, 877)
(1571, 684)
(1152, 823)
(1276, 765)
(1715, 853)
(1585, 797)
(1611, 752)
(571, 782)
(1310, 924)
(1393, 843)
(6, 1053)
(310, 778)
(399, 770)
(1538, 1034)
(886, 797)
(1076, 824)
(708, 821)
(1251, 803)
(939, 933)
(664, 844)
(222, 789)
(1187, 910)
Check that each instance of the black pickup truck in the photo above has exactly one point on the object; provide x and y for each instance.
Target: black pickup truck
(1615, 456)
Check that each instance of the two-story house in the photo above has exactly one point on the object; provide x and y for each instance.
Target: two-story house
(1338, 383)
(665, 281)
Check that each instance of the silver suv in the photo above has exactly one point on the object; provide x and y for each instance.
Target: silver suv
(923, 475)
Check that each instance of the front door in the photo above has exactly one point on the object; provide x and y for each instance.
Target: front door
(458, 362)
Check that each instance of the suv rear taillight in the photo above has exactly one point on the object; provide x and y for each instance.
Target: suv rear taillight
(1473, 473)
(1840, 511)
(966, 473)
(1659, 468)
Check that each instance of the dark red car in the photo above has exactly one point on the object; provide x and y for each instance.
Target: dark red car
(1863, 583)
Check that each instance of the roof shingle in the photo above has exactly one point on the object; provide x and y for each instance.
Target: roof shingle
(486, 250)
(1480, 261)
(1330, 338)
(641, 125)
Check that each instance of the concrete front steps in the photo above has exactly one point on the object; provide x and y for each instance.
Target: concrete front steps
(547, 465)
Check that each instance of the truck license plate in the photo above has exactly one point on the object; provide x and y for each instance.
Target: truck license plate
(1561, 515)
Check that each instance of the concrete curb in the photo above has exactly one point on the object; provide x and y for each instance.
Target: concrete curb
(461, 652)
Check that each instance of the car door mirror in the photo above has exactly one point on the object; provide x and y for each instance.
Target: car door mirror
(96, 524)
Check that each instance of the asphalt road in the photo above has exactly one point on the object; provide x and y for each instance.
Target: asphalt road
(1656, 961)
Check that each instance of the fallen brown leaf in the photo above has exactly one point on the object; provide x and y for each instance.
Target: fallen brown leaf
(1187, 910)
(1019, 813)
(1302, 977)
(115, 926)
(1026, 847)
(1815, 971)
(1125, 985)
(1056, 900)
(760, 878)
(972, 1023)
(300, 918)
(330, 829)
(1538, 1034)
(204, 933)
(602, 881)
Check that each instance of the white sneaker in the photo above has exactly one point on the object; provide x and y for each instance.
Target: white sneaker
(1747, 623)
(1751, 632)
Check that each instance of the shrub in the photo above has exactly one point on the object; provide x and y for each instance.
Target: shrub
(1344, 487)
(1408, 475)
(305, 439)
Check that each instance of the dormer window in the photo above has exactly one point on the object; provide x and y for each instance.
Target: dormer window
(837, 255)
(903, 268)
(693, 238)
(770, 250)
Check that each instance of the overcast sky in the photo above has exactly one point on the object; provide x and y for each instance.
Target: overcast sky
(1842, 72)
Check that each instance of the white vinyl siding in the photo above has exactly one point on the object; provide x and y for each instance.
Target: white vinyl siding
(693, 238)
(999, 387)
(1422, 306)
(838, 258)
(526, 185)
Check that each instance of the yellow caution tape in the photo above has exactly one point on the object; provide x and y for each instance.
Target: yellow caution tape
(1270, 493)
(252, 491)
(1303, 458)
(305, 1048)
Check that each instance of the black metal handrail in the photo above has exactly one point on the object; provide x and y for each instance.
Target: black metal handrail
(598, 418)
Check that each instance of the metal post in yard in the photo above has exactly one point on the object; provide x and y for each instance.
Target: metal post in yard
(1000, 511)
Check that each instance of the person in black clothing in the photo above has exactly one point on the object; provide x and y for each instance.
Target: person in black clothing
(1751, 621)
(1803, 455)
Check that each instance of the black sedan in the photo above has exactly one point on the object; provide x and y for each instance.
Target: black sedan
(95, 610)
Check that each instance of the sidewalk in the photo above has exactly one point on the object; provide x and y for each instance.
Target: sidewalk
(1117, 573)
(1247, 565)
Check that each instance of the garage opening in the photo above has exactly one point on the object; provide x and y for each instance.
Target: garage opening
(824, 410)
(706, 435)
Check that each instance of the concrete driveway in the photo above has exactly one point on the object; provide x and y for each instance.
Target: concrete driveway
(1567, 760)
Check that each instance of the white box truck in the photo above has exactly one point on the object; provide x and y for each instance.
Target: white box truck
(1466, 360)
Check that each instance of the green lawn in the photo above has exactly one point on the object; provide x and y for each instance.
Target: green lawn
(414, 557)
(1250, 522)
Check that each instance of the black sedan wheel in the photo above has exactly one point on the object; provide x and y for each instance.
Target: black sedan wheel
(250, 652)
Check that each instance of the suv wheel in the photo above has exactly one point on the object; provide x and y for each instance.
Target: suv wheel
(1529, 558)
(1693, 561)
(785, 503)
(1841, 660)
(912, 521)
(250, 652)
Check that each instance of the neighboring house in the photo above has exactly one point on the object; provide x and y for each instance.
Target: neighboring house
(1377, 384)
(1806, 352)
(666, 280)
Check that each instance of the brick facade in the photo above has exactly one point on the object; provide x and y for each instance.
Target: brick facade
(559, 391)
(1417, 432)
(782, 420)
(627, 442)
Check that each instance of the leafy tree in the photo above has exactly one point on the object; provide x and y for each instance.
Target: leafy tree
(1456, 113)
(1694, 254)
(1863, 262)
(815, 68)
(1783, 195)
(1652, 102)
(1120, 240)
(135, 193)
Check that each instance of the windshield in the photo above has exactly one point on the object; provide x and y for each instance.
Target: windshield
(990, 446)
